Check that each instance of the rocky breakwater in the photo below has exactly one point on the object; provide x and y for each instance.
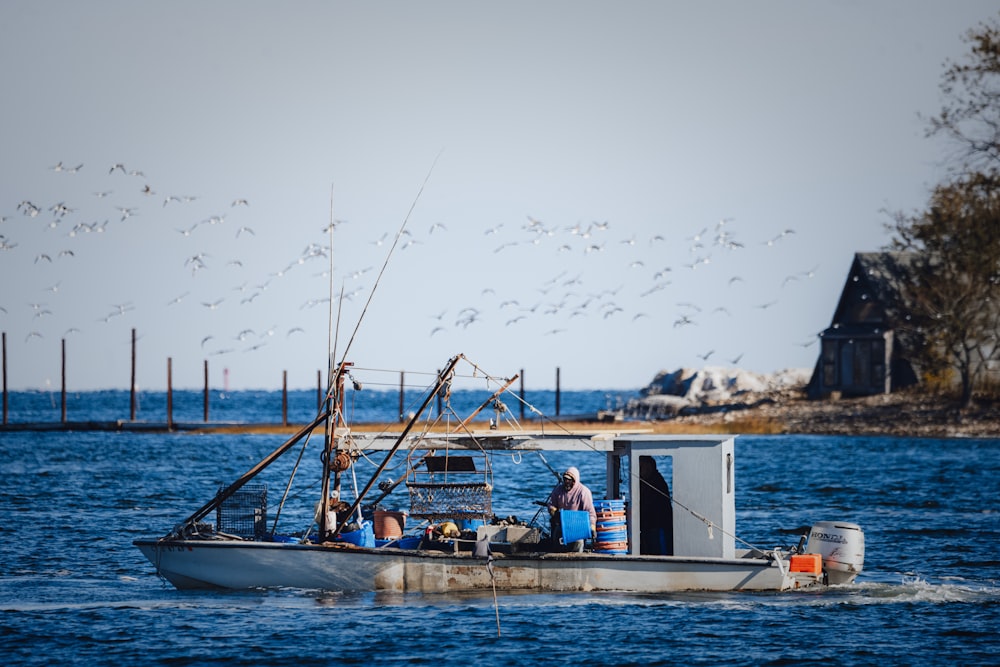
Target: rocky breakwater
(712, 390)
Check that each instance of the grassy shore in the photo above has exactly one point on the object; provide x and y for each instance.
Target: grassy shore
(903, 414)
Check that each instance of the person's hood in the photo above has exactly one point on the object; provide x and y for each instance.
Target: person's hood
(573, 472)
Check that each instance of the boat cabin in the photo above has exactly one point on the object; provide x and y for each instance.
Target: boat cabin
(699, 470)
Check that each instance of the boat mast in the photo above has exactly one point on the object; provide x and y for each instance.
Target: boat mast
(443, 378)
(331, 444)
(334, 391)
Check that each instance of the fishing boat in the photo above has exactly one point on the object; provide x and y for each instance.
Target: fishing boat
(456, 542)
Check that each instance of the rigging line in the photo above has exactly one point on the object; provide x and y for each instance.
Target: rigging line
(493, 580)
(493, 397)
(220, 497)
(333, 353)
(506, 384)
(288, 487)
(507, 415)
(464, 428)
(549, 466)
(429, 423)
(396, 371)
(331, 346)
(388, 255)
(712, 525)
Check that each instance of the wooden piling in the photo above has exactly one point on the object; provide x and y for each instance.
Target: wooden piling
(131, 402)
(402, 393)
(284, 398)
(170, 393)
(558, 391)
(440, 402)
(62, 391)
(205, 395)
(522, 402)
(4, 377)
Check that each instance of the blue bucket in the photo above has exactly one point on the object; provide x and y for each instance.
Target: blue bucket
(469, 524)
(612, 527)
(610, 505)
(611, 536)
(610, 551)
(363, 537)
(409, 542)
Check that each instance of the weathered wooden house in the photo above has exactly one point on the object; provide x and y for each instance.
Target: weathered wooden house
(861, 352)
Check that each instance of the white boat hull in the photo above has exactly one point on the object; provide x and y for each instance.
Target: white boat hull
(235, 564)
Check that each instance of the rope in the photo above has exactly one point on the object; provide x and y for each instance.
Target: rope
(493, 580)
(288, 486)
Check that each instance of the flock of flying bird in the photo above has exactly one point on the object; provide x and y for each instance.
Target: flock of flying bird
(65, 225)
(566, 296)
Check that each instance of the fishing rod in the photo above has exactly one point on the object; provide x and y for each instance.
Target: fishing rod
(388, 255)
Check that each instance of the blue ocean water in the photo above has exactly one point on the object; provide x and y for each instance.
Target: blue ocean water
(301, 406)
(73, 589)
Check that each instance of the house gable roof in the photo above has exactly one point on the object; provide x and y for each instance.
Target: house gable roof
(876, 278)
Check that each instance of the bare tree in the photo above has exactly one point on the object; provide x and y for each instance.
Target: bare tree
(971, 90)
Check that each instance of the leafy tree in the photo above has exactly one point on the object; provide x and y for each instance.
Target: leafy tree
(952, 300)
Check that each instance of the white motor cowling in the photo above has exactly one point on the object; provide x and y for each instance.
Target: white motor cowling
(842, 548)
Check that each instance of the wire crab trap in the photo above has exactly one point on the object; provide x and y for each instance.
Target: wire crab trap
(244, 513)
(450, 487)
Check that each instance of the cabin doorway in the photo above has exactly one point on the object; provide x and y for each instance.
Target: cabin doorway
(656, 524)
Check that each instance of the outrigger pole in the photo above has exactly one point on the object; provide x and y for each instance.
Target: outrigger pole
(250, 474)
(441, 380)
(489, 400)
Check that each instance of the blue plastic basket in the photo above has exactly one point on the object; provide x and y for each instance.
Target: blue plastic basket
(574, 524)
(363, 537)
(610, 505)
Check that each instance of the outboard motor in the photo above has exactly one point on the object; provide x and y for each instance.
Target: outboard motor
(842, 548)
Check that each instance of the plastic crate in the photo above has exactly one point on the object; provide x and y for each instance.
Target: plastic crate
(812, 563)
(574, 525)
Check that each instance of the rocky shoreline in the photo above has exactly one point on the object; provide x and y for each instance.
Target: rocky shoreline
(732, 400)
(907, 414)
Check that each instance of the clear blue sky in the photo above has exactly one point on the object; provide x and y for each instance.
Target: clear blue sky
(616, 189)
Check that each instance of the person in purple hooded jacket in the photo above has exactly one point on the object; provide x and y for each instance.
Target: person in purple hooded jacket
(572, 494)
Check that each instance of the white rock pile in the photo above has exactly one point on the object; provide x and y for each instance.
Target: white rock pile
(713, 388)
